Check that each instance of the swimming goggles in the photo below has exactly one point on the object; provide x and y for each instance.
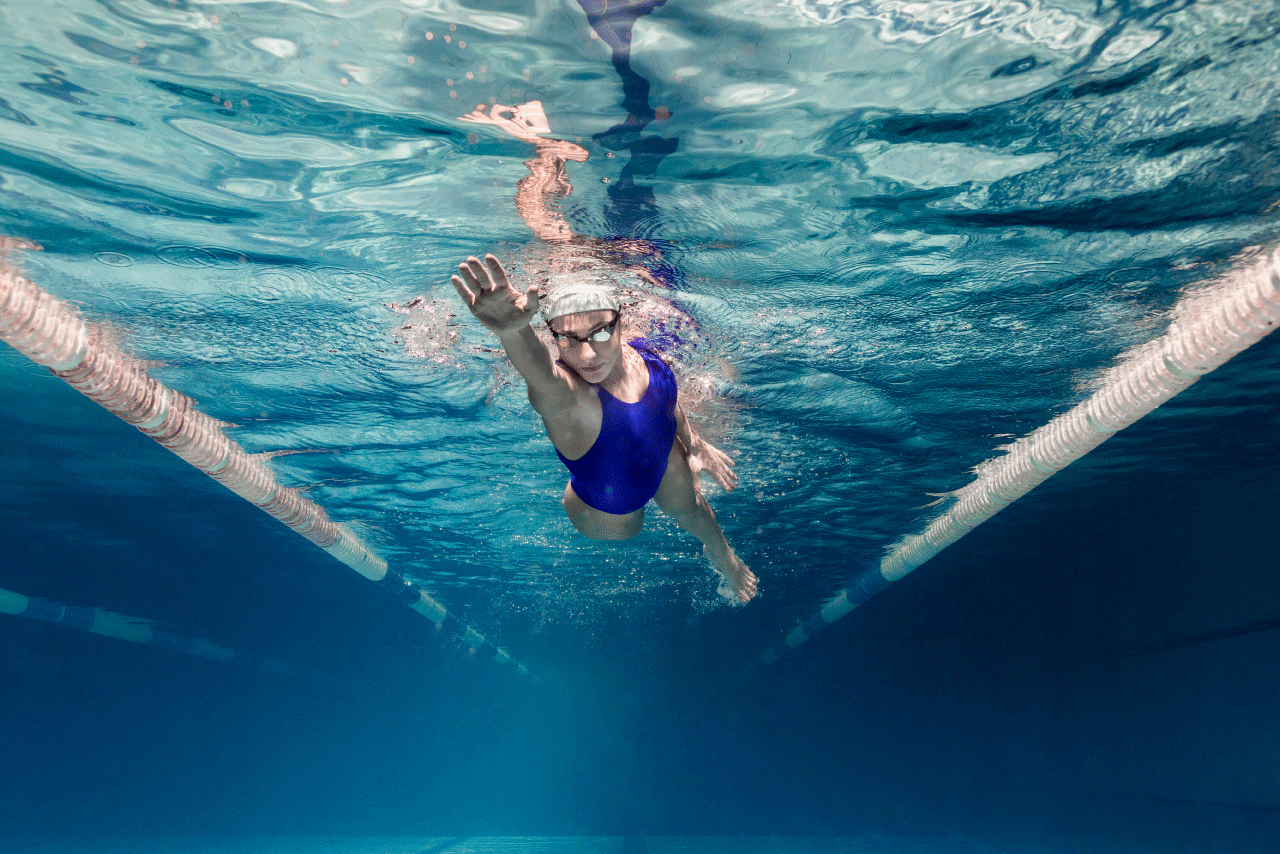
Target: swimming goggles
(601, 335)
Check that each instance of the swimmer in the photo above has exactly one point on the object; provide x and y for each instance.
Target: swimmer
(610, 409)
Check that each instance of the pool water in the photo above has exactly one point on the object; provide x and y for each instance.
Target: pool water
(878, 240)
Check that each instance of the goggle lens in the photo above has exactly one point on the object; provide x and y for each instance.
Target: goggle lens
(600, 336)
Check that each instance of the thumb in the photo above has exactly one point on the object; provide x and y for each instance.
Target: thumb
(531, 299)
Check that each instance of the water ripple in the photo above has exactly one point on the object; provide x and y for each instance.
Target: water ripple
(886, 234)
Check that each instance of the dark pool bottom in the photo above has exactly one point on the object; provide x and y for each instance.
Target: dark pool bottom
(573, 845)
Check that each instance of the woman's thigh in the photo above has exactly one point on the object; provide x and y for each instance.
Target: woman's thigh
(597, 524)
(678, 490)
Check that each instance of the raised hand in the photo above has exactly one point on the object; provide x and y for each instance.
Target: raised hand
(525, 121)
(491, 298)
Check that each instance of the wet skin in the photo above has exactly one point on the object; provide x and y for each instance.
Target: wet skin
(562, 393)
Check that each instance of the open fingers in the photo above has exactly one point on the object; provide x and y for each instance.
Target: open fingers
(463, 291)
(483, 277)
(475, 276)
(496, 273)
(720, 466)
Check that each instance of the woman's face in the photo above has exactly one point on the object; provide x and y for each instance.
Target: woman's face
(575, 336)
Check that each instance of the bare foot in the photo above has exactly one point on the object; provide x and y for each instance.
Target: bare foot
(740, 579)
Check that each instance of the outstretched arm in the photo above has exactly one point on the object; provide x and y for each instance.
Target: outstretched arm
(704, 456)
(506, 312)
(538, 195)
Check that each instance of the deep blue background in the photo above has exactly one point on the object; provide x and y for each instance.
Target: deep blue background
(1098, 659)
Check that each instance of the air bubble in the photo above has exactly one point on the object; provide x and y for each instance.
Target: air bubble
(430, 35)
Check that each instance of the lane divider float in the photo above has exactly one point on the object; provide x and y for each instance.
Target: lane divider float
(84, 618)
(48, 332)
(1209, 327)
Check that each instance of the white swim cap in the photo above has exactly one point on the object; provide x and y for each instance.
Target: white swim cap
(577, 298)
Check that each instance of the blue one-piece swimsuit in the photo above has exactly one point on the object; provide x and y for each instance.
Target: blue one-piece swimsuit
(623, 469)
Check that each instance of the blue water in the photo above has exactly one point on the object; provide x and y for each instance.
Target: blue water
(885, 238)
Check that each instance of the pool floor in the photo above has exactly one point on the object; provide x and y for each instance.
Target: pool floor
(575, 845)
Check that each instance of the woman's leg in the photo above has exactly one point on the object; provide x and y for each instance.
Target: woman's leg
(681, 499)
(597, 524)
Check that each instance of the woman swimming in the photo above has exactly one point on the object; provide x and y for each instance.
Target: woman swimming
(611, 411)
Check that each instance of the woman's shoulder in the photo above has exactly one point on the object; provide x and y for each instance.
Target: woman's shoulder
(658, 366)
(647, 348)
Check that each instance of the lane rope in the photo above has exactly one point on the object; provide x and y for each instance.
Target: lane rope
(84, 618)
(49, 333)
(1209, 327)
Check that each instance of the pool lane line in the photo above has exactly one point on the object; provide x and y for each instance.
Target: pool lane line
(85, 618)
(1209, 327)
(49, 333)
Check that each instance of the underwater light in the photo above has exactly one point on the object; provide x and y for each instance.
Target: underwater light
(1209, 327)
(49, 333)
